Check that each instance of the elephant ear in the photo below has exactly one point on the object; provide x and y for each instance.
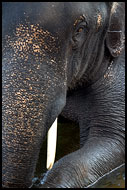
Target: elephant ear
(115, 34)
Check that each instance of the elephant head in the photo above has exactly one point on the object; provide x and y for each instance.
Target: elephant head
(48, 47)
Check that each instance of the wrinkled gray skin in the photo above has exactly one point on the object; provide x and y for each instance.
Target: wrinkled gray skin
(62, 57)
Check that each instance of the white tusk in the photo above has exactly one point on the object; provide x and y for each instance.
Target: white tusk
(51, 145)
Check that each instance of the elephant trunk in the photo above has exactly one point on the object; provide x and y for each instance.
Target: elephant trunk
(34, 94)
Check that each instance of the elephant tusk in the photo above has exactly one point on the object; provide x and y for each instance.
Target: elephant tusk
(51, 145)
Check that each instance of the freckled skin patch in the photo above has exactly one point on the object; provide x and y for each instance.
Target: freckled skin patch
(30, 39)
(109, 73)
(114, 7)
(99, 20)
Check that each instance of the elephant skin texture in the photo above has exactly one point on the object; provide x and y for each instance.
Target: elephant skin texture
(63, 58)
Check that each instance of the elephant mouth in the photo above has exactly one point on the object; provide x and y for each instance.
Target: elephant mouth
(51, 145)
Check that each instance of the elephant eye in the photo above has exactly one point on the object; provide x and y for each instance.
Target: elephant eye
(78, 35)
(81, 28)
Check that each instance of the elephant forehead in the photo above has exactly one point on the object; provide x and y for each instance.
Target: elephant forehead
(53, 16)
(47, 14)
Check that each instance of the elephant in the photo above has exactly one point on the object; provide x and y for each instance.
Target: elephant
(62, 58)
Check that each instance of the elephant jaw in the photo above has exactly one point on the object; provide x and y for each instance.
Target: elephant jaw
(51, 145)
